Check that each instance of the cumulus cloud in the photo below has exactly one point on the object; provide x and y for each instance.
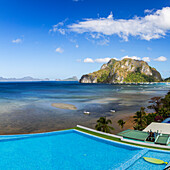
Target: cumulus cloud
(102, 60)
(161, 58)
(18, 40)
(98, 60)
(133, 57)
(151, 26)
(147, 59)
(107, 59)
(88, 60)
(59, 50)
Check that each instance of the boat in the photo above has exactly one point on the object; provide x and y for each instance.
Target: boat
(113, 111)
(86, 113)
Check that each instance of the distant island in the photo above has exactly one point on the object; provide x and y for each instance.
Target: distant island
(28, 78)
(74, 78)
(123, 71)
(167, 79)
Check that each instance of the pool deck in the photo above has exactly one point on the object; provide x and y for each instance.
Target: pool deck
(93, 132)
(121, 139)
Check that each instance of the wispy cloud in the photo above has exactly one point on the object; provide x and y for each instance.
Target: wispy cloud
(148, 11)
(147, 59)
(18, 40)
(98, 60)
(151, 26)
(102, 60)
(107, 59)
(59, 50)
(88, 60)
(59, 27)
(161, 58)
(149, 49)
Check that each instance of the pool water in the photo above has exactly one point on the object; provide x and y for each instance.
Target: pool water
(70, 149)
(145, 165)
(166, 120)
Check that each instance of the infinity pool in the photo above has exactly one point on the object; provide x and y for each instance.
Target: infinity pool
(71, 149)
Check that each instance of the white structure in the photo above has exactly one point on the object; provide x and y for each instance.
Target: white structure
(158, 127)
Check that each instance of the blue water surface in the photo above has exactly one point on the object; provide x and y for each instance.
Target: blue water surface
(68, 150)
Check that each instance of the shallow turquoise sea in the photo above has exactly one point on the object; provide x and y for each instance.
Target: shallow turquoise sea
(26, 106)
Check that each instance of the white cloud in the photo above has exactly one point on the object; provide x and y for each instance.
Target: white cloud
(151, 26)
(18, 40)
(161, 58)
(88, 60)
(147, 59)
(59, 50)
(77, 46)
(58, 28)
(102, 60)
(148, 10)
(98, 60)
(133, 57)
(103, 41)
(107, 59)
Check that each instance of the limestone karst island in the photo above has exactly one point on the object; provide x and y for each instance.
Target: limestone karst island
(124, 71)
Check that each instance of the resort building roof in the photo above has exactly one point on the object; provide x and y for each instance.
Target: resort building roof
(134, 134)
(158, 127)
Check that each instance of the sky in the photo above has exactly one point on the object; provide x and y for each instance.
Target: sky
(64, 38)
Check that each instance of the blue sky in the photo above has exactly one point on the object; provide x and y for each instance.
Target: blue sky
(64, 38)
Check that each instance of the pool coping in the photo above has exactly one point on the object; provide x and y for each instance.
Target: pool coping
(135, 158)
(90, 131)
(142, 150)
(125, 141)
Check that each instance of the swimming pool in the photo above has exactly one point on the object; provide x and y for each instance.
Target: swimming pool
(166, 120)
(71, 149)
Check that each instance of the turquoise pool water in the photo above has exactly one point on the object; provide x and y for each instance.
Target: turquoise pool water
(71, 149)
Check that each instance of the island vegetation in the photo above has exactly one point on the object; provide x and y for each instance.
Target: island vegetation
(123, 71)
(167, 79)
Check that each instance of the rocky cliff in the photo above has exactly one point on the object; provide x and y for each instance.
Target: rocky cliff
(124, 71)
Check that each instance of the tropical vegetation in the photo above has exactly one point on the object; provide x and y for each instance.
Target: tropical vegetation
(103, 125)
(161, 107)
(121, 123)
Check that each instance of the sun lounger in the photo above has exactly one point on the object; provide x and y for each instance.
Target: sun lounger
(162, 139)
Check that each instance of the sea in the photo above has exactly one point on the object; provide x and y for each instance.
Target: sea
(25, 107)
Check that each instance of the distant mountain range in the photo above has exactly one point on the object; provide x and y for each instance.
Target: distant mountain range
(167, 79)
(74, 78)
(28, 78)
